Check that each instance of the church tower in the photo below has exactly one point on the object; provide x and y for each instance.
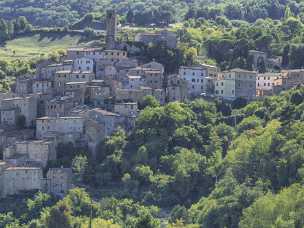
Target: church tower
(111, 26)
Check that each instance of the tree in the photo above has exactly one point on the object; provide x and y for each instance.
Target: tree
(79, 165)
(285, 57)
(37, 204)
(149, 101)
(287, 13)
(281, 210)
(59, 217)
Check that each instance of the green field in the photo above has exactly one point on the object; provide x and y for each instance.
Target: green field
(35, 46)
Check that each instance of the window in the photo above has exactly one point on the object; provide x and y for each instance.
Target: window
(222, 92)
(232, 91)
(193, 80)
(193, 73)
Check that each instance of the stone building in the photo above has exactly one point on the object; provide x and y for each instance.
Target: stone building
(8, 117)
(42, 86)
(27, 107)
(84, 64)
(126, 109)
(24, 85)
(76, 90)
(259, 59)
(59, 106)
(97, 92)
(63, 77)
(59, 181)
(111, 26)
(133, 82)
(69, 127)
(109, 120)
(39, 151)
(48, 72)
(9, 137)
(177, 89)
(293, 78)
(163, 37)
(14, 180)
(153, 79)
(236, 83)
(80, 52)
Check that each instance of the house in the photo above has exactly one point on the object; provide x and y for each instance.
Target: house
(82, 52)
(59, 106)
(236, 83)
(69, 127)
(24, 85)
(63, 77)
(195, 76)
(9, 137)
(267, 82)
(177, 89)
(48, 72)
(109, 120)
(126, 109)
(59, 181)
(42, 86)
(154, 66)
(9, 116)
(76, 90)
(134, 82)
(27, 107)
(153, 79)
(293, 78)
(163, 37)
(39, 151)
(14, 180)
(97, 92)
(84, 64)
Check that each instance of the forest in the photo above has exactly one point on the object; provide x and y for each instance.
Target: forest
(144, 12)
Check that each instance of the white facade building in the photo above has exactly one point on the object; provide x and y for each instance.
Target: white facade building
(195, 78)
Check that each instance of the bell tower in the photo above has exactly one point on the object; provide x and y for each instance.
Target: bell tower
(111, 26)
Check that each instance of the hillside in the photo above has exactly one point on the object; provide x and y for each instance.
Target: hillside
(189, 158)
(35, 46)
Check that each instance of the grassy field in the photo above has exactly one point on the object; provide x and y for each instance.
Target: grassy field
(35, 46)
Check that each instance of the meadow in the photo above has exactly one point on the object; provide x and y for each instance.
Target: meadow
(37, 45)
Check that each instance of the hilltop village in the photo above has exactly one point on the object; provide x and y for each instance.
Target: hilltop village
(94, 91)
